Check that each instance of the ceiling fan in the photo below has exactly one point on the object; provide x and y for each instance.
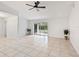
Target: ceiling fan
(36, 6)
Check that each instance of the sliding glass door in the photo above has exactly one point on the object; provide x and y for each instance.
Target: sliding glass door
(41, 28)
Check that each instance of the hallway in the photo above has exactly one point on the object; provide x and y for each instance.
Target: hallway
(36, 46)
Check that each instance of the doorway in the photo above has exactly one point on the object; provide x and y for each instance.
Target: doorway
(41, 28)
(8, 25)
(2, 28)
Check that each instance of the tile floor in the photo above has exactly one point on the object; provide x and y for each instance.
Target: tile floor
(36, 46)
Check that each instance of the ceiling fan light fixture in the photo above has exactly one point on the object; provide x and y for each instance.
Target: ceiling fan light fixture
(35, 6)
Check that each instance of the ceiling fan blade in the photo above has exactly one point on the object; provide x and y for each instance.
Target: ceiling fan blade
(41, 7)
(30, 5)
(31, 8)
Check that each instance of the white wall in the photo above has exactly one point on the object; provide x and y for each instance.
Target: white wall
(74, 27)
(22, 25)
(59, 18)
(12, 26)
(56, 27)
